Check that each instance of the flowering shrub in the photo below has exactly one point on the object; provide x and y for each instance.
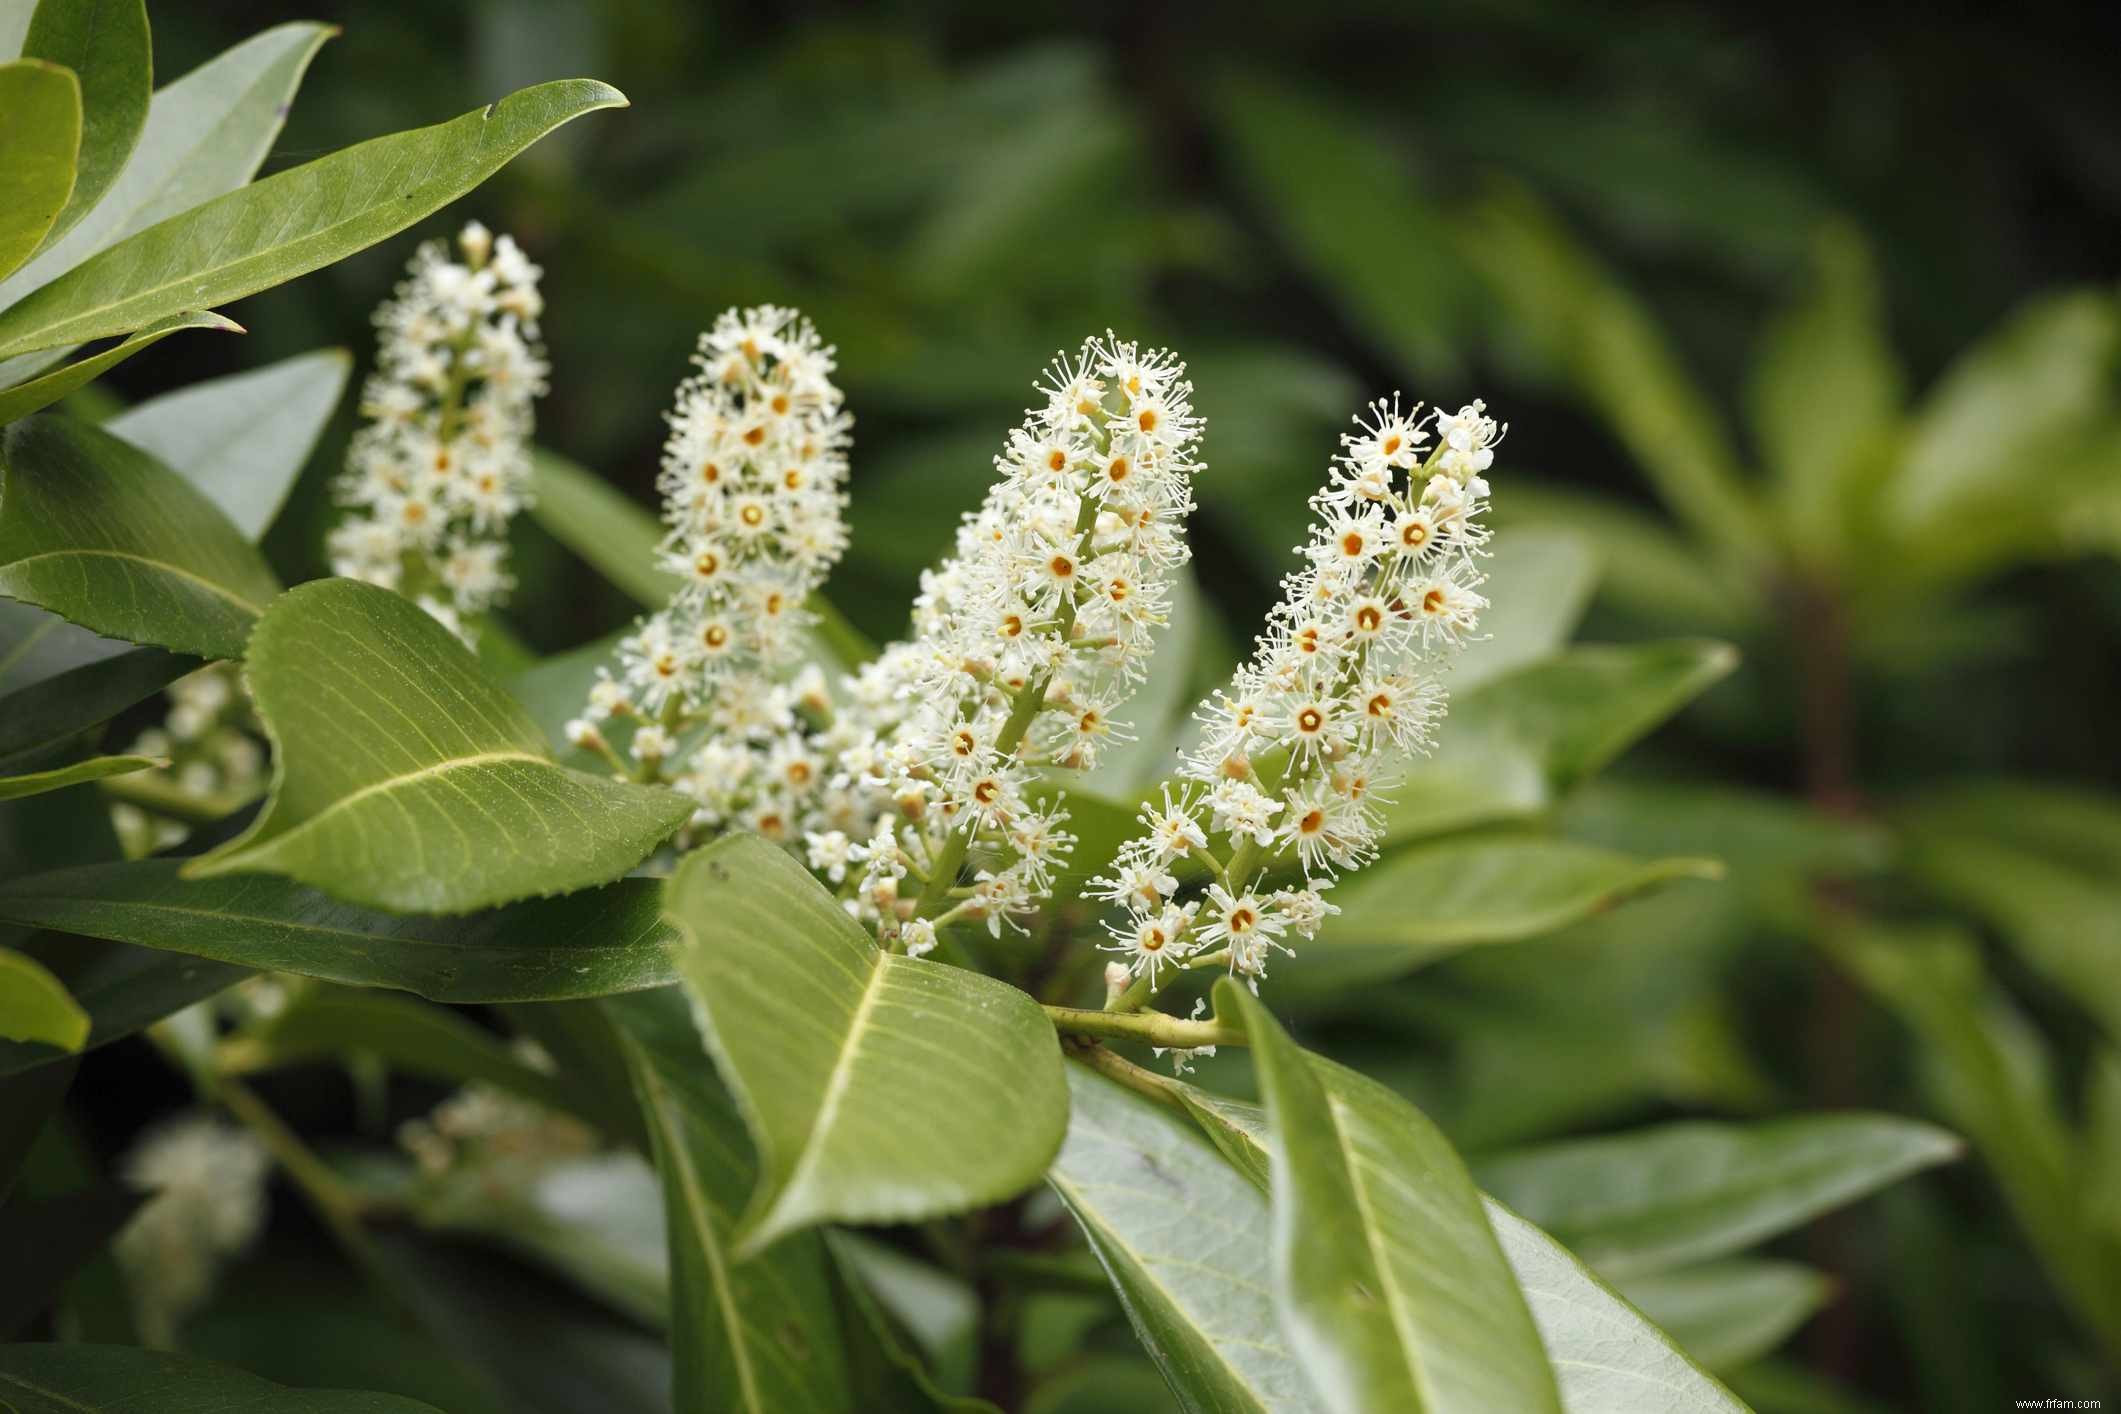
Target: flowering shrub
(793, 1001)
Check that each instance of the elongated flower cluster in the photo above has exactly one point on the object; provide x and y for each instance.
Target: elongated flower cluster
(207, 1182)
(753, 482)
(1026, 640)
(444, 460)
(1344, 685)
(215, 761)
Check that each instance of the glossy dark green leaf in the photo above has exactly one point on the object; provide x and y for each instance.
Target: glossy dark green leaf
(761, 1335)
(40, 134)
(878, 1087)
(1389, 1280)
(95, 768)
(206, 134)
(1607, 1358)
(35, 1006)
(291, 222)
(35, 394)
(105, 43)
(115, 1379)
(1183, 1237)
(1729, 1313)
(97, 531)
(1672, 1194)
(243, 438)
(614, 534)
(590, 943)
(123, 989)
(57, 679)
(1513, 746)
(405, 778)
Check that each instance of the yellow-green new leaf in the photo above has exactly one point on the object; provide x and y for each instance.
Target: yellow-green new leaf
(40, 132)
(292, 222)
(405, 778)
(79, 773)
(1391, 1285)
(41, 392)
(101, 533)
(106, 44)
(878, 1087)
(35, 1006)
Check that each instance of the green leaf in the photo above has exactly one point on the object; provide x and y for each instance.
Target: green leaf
(35, 1007)
(292, 222)
(1513, 746)
(49, 1239)
(206, 134)
(80, 772)
(1677, 1193)
(760, 1336)
(105, 43)
(1730, 1313)
(36, 393)
(40, 133)
(590, 943)
(1825, 398)
(104, 535)
(613, 534)
(1647, 569)
(1390, 1282)
(1991, 1075)
(1180, 1232)
(410, 1036)
(555, 689)
(1609, 345)
(1607, 1359)
(405, 778)
(118, 1379)
(2042, 867)
(1351, 210)
(878, 1087)
(244, 438)
(920, 1316)
(56, 680)
(1540, 581)
(123, 989)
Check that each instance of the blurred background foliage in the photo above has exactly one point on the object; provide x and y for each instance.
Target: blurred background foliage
(1805, 324)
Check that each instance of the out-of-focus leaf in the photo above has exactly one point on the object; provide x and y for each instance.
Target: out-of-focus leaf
(879, 1362)
(79, 773)
(1277, 411)
(1540, 581)
(35, 394)
(1729, 1313)
(1991, 1075)
(2029, 394)
(590, 943)
(1672, 1194)
(759, 1335)
(1353, 212)
(817, 1030)
(123, 989)
(1512, 746)
(2102, 1141)
(27, 1103)
(105, 43)
(597, 521)
(292, 222)
(1778, 1386)
(555, 689)
(206, 134)
(1825, 397)
(35, 1007)
(404, 778)
(1199, 1296)
(2043, 867)
(408, 1035)
(1607, 1359)
(102, 534)
(57, 679)
(242, 439)
(109, 1379)
(48, 1239)
(39, 139)
(1610, 347)
(1644, 568)
(1390, 1283)
(939, 1311)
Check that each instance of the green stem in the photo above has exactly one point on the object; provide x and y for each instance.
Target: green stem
(1154, 1027)
(339, 1206)
(159, 793)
